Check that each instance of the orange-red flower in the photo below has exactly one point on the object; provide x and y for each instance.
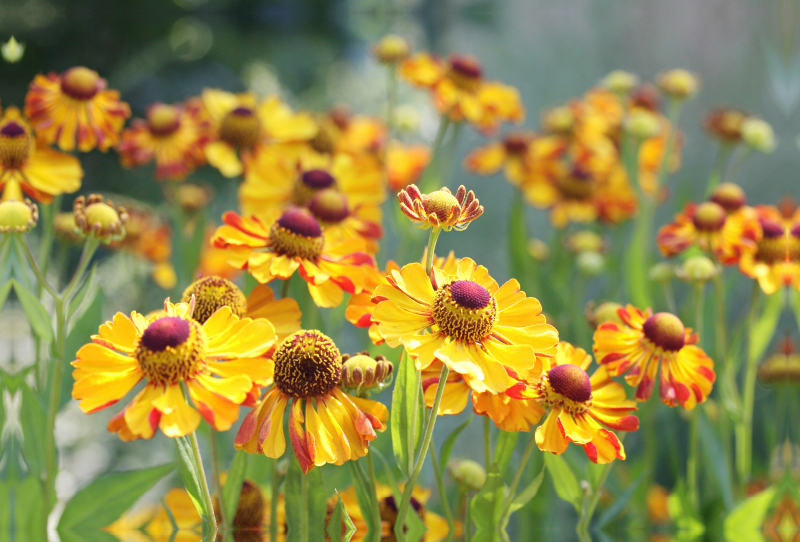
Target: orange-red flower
(75, 110)
(440, 208)
(646, 341)
(776, 261)
(510, 154)
(405, 164)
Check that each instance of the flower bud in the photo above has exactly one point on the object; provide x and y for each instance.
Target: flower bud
(362, 372)
(590, 263)
(391, 49)
(12, 50)
(698, 269)
(18, 216)
(604, 312)
(66, 229)
(558, 120)
(620, 81)
(758, 134)
(538, 249)
(407, 118)
(585, 241)
(468, 474)
(192, 197)
(642, 124)
(662, 272)
(678, 84)
(99, 217)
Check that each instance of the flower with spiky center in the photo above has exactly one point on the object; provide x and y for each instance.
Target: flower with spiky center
(405, 163)
(466, 320)
(99, 217)
(326, 424)
(726, 124)
(292, 243)
(211, 294)
(726, 235)
(75, 110)
(28, 165)
(171, 135)
(647, 341)
(509, 154)
(776, 261)
(241, 127)
(459, 90)
(440, 209)
(217, 363)
(579, 405)
(18, 216)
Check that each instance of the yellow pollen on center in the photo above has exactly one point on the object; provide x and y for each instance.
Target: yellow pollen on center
(464, 310)
(241, 128)
(80, 83)
(297, 234)
(577, 185)
(16, 145)
(709, 216)
(103, 214)
(666, 331)
(211, 293)
(307, 364)
(171, 349)
(163, 119)
(439, 203)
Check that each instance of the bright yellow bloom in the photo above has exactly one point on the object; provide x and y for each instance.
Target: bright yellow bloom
(776, 262)
(28, 165)
(459, 90)
(479, 329)
(172, 135)
(578, 405)
(242, 126)
(405, 164)
(295, 243)
(216, 361)
(326, 424)
(509, 154)
(440, 208)
(75, 110)
(646, 341)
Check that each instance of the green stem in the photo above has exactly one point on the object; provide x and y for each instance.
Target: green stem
(432, 171)
(48, 231)
(51, 453)
(26, 249)
(673, 116)
(437, 471)
(467, 519)
(206, 494)
(391, 99)
(744, 426)
(273, 508)
(639, 253)
(431, 253)
(224, 516)
(376, 510)
(669, 294)
(718, 169)
(691, 462)
(303, 528)
(86, 256)
(594, 499)
(736, 165)
(518, 475)
(487, 441)
(285, 287)
(402, 509)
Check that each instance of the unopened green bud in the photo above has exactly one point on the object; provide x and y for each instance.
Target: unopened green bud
(620, 81)
(590, 263)
(662, 272)
(697, 269)
(758, 134)
(12, 50)
(642, 124)
(468, 474)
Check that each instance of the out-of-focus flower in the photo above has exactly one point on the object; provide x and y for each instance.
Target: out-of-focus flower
(620, 81)
(479, 329)
(18, 216)
(646, 341)
(781, 367)
(341, 131)
(191, 198)
(657, 505)
(467, 473)
(590, 263)
(172, 135)
(75, 110)
(148, 236)
(604, 312)
(726, 124)
(99, 217)
(578, 405)
(508, 154)
(406, 118)
(558, 120)
(29, 166)
(440, 209)
(758, 134)
(678, 84)
(776, 262)
(293, 242)
(391, 49)
(585, 241)
(12, 50)
(642, 124)
(404, 164)
(459, 90)
(727, 235)
(65, 227)
(698, 269)
(308, 369)
(214, 360)
(241, 127)
(662, 272)
(538, 249)
(647, 97)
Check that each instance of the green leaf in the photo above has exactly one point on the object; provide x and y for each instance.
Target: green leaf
(524, 497)
(450, 441)
(744, 523)
(506, 443)
(32, 414)
(233, 483)
(105, 499)
(5, 289)
(94, 535)
(564, 480)
(89, 286)
(685, 517)
(305, 504)
(619, 503)
(37, 314)
(366, 498)
(716, 460)
(340, 526)
(29, 512)
(191, 476)
(407, 412)
(761, 335)
(487, 506)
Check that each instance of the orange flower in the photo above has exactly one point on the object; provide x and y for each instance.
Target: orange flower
(509, 154)
(776, 262)
(644, 342)
(28, 165)
(405, 164)
(172, 135)
(459, 90)
(440, 208)
(291, 243)
(74, 110)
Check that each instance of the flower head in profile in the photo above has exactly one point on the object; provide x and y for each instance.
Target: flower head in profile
(579, 405)
(647, 341)
(326, 424)
(459, 90)
(75, 110)
(466, 320)
(723, 226)
(217, 362)
(18, 216)
(440, 209)
(292, 243)
(776, 261)
(171, 135)
(99, 217)
(29, 166)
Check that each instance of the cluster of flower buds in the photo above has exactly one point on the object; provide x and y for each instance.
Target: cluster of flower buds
(362, 372)
(440, 209)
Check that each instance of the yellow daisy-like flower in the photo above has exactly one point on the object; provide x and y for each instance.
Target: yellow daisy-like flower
(75, 110)
(776, 261)
(440, 208)
(509, 154)
(172, 135)
(28, 165)
(216, 361)
(292, 243)
(242, 126)
(479, 329)
(646, 341)
(326, 424)
(405, 164)
(460, 91)
(579, 405)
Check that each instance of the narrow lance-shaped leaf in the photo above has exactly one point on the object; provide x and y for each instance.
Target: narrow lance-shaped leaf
(37, 315)
(407, 414)
(566, 484)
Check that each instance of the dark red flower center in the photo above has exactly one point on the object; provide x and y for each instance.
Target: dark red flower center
(12, 129)
(709, 216)
(665, 330)
(329, 205)
(241, 127)
(81, 83)
(318, 179)
(300, 222)
(469, 295)
(772, 229)
(570, 381)
(467, 66)
(163, 119)
(516, 143)
(170, 331)
(729, 196)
